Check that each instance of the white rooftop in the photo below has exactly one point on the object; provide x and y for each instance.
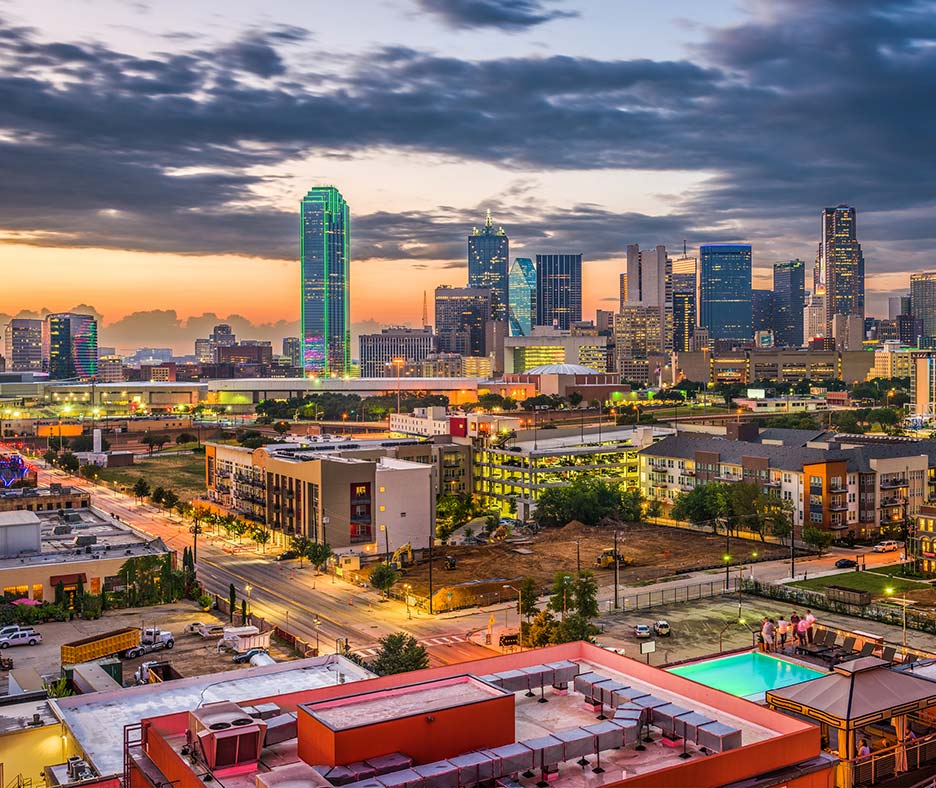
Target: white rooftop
(97, 720)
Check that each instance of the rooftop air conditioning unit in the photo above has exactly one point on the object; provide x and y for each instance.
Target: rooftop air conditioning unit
(230, 739)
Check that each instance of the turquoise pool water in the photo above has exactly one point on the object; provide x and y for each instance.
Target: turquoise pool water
(747, 675)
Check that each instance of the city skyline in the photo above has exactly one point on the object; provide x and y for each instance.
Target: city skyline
(210, 168)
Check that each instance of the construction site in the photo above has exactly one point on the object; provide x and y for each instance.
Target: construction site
(646, 554)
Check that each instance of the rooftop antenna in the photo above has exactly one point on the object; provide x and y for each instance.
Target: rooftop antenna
(684, 254)
(425, 321)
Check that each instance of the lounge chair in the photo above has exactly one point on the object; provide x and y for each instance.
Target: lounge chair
(888, 653)
(843, 652)
(822, 642)
(909, 659)
(867, 650)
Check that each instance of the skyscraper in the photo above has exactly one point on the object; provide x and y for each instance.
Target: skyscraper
(384, 355)
(69, 346)
(292, 349)
(762, 309)
(725, 291)
(789, 282)
(23, 345)
(488, 253)
(840, 265)
(325, 246)
(521, 296)
(461, 318)
(558, 290)
(649, 290)
(923, 301)
(684, 320)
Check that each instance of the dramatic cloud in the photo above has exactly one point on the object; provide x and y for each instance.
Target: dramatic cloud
(804, 105)
(504, 14)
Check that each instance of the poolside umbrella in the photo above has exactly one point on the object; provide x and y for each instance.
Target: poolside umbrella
(24, 601)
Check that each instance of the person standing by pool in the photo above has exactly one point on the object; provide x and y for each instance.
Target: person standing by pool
(794, 622)
(810, 620)
(770, 630)
(801, 629)
(783, 626)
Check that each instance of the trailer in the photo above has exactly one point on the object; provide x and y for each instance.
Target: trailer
(117, 641)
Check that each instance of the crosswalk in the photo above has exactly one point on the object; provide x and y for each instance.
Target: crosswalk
(445, 640)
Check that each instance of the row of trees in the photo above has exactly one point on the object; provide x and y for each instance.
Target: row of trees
(331, 406)
(569, 613)
(590, 500)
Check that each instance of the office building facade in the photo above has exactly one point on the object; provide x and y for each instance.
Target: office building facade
(725, 291)
(385, 354)
(839, 273)
(521, 297)
(70, 346)
(461, 318)
(558, 290)
(292, 349)
(325, 246)
(649, 289)
(789, 282)
(684, 320)
(923, 301)
(23, 345)
(488, 255)
(762, 308)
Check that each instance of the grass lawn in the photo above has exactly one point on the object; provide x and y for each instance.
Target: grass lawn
(182, 473)
(893, 570)
(861, 581)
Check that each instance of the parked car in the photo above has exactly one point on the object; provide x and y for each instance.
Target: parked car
(245, 656)
(642, 631)
(846, 563)
(887, 546)
(205, 630)
(25, 637)
(661, 628)
(286, 555)
(11, 628)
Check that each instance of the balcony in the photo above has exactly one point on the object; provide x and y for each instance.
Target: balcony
(838, 507)
(837, 488)
(892, 502)
(892, 484)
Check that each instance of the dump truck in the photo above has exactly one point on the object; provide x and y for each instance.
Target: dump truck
(117, 641)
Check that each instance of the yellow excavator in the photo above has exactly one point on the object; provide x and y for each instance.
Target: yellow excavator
(608, 557)
(402, 557)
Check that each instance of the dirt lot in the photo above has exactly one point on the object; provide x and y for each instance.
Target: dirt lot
(656, 551)
(191, 656)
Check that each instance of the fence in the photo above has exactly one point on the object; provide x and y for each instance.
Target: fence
(677, 594)
(883, 764)
(921, 620)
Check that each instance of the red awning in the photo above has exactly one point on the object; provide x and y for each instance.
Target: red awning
(67, 580)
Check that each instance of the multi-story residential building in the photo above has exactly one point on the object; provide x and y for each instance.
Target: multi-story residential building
(892, 360)
(69, 346)
(292, 349)
(649, 301)
(513, 476)
(354, 496)
(747, 365)
(545, 345)
(637, 333)
(558, 290)
(204, 351)
(921, 544)
(789, 280)
(521, 289)
(923, 384)
(814, 319)
(325, 255)
(385, 354)
(725, 291)
(488, 253)
(839, 273)
(480, 367)
(461, 318)
(839, 483)
(923, 301)
(23, 345)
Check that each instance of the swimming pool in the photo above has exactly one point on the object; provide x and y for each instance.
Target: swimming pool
(748, 675)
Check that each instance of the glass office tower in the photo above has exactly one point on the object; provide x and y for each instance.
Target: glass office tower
(324, 253)
(789, 286)
(522, 297)
(558, 290)
(488, 252)
(725, 291)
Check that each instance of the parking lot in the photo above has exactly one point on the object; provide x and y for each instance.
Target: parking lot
(191, 655)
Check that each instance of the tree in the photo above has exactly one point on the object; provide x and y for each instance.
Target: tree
(528, 596)
(585, 595)
(382, 577)
(141, 488)
(561, 596)
(159, 441)
(817, 538)
(59, 593)
(170, 499)
(156, 496)
(318, 554)
(86, 443)
(68, 462)
(588, 500)
(575, 399)
(281, 427)
(399, 653)
(49, 456)
(574, 627)
(260, 534)
(232, 601)
(541, 631)
(149, 441)
(300, 543)
(703, 505)
(185, 437)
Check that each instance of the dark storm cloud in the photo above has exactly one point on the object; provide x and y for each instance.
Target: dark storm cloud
(503, 14)
(805, 105)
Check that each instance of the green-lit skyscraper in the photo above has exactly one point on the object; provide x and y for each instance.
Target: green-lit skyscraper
(324, 255)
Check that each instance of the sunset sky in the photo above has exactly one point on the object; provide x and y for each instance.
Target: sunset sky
(153, 154)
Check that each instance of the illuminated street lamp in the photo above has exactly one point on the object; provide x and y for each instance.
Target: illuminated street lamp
(248, 588)
(904, 603)
(406, 592)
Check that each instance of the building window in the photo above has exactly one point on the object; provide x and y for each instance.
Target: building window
(383, 508)
(37, 592)
(17, 592)
(815, 517)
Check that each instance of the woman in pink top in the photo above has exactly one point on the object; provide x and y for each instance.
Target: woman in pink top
(801, 628)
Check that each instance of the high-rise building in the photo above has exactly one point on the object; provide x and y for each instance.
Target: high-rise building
(325, 254)
(461, 318)
(684, 320)
(839, 275)
(204, 351)
(725, 291)
(898, 305)
(488, 253)
(623, 290)
(292, 349)
(110, 369)
(923, 300)
(814, 325)
(789, 282)
(23, 345)
(762, 310)
(222, 335)
(382, 354)
(69, 346)
(910, 330)
(558, 290)
(521, 296)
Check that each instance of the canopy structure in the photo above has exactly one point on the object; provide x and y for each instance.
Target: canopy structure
(857, 693)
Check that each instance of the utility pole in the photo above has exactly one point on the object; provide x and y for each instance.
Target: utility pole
(616, 567)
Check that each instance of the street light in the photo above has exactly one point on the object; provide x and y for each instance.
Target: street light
(727, 559)
(317, 622)
(248, 588)
(519, 614)
(903, 604)
(406, 590)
